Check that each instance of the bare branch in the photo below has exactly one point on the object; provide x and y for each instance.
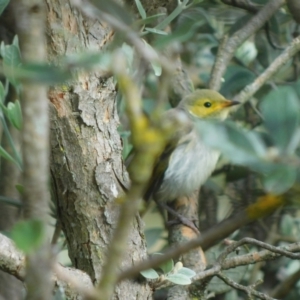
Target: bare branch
(31, 18)
(262, 207)
(249, 290)
(12, 261)
(247, 259)
(230, 46)
(255, 242)
(282, 59)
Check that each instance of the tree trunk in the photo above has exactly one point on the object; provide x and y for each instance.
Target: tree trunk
(86, 162)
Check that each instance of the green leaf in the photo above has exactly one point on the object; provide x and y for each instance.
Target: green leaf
(167, 266)
(6, 155)
(239, 145)
(2, 92)
(150, 274)
(187, 272)
(247, 52)
(152, 235)
(216, 285)
(11, 60)
(140, 9)
(148, 20)
(10, 201)
(28, 235)
(3, 4)
(287, 225)
(86, 60)
(281, 111)
(156, 31)
(181, 34)
(42, 73)
(280, 179)
(179, 279)
(155, 65)
(236, 78)
(180, 7)
(20, 188)
(14, 114)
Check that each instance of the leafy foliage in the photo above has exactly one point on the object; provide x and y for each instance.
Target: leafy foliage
(28, 235)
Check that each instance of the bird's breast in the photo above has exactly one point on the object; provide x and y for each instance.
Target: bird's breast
(190, 165)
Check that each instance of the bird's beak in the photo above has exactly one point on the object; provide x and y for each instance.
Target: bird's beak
(229, 103)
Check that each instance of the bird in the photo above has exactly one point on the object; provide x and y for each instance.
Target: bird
(186, 162)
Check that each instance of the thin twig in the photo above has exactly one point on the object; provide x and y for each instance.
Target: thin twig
(247, 259)
(261, 208)
(282, 59)
(238, 38)
(248, 290)
(274, 249)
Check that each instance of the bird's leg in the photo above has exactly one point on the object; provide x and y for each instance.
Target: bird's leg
(180, 218)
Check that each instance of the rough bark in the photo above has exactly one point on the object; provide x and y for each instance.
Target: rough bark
(86, 163)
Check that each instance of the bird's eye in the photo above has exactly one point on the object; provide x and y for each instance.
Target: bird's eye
(207, 104)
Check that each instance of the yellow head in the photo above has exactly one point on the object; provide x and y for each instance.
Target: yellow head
(206, 104)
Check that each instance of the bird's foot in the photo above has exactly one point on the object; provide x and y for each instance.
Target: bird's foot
(180, 219)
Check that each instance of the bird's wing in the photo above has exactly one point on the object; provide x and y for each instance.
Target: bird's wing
(181, 136)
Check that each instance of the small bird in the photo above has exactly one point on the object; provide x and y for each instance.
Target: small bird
(186, 163)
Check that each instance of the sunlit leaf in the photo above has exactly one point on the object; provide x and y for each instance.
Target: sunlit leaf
(186, 272)
(150, 274)
(179, 279)
(140, 9)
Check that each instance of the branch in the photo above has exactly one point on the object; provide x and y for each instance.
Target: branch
(31, 18)
(282, 59)
(251, 241)
(249, 290)
(262, 207)
(246, 5)
(228, 47)
(74, 282)
(283, 289)
(247, 259)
